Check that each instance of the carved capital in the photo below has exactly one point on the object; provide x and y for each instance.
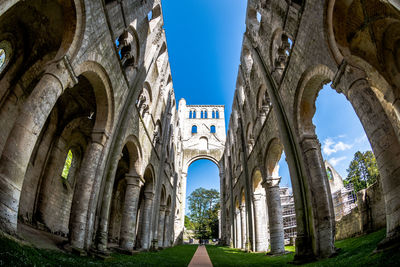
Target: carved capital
(271, 182)
(134, 180)
(346, 76)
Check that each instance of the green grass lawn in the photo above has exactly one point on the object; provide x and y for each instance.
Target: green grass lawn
(354, 252)
(13, 254)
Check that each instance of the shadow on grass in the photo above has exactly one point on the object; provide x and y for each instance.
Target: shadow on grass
(15, 254)
(354, 252)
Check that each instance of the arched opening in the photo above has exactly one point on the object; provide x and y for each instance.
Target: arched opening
(145, 204)
(203, 182)
(194, 129)
(125, 194)
(260, 213)
(212, 129)
(203, 143)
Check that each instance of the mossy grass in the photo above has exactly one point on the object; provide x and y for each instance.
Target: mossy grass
(356, 251)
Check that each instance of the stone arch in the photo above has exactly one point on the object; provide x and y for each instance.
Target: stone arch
(322, 216)
(198, 157)
(135, 154)
(272, 156)
(103, 92)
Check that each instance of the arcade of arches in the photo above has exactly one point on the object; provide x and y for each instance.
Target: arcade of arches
(94, 148)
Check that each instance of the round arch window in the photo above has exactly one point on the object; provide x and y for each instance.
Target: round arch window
(5, 54)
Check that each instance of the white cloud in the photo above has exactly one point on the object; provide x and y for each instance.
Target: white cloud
(335, 161)
(329, 147)
(363, 138)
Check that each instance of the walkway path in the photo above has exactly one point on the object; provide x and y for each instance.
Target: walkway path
(200, 258)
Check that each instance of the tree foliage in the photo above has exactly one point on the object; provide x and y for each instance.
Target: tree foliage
(362, 171)
(204, 207)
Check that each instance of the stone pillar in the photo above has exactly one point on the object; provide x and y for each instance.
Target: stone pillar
(161, 226)
(128, 223)
(260, 218)
(22, 140)
(243, 224)
(148, 205)
(167, 232)
(238, 233)
(83, 190)
(275, 215)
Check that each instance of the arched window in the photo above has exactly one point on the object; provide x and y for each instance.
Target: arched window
(194, 129)
(212, 129)
(213, 114)
(194, 114)
(330, 174)
(202, 114)
(190, 115)
(217, 114)
(67, 165)
(5, 54)
(205, 114)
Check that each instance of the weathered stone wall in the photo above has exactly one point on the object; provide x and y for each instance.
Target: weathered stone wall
(368, 216)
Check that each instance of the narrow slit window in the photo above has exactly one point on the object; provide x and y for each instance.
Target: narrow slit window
(217, 114)
(213, 114)
(190, 114)
(202, 114)
(205, 114)
(67, 165)
(194, 114)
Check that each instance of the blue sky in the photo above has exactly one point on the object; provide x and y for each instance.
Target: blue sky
(204, 39)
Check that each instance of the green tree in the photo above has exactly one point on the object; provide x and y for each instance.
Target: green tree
(362, 171)
(188, 223)
(204, 208)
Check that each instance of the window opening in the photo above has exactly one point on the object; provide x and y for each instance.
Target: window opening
(329, 173)
(217, 114)
(213, 114)
(67, 165)
(258, 17)
(202, 115)
(2, 57)
(190, 114)
(212, 129)
(194, 114)
(194, 129)
(149, 15)
(205, 114)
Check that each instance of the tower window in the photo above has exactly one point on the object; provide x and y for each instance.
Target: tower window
(213, 114)
(194, 114)
(217, 114)
(205, 114)
(329, 173)
(202, 114)
(190, 114)
(194, 129)
(67, 165)
(212, 129)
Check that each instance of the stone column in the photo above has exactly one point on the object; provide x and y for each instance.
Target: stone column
(161, 226)
(260, 218)
(22, 140)
(83, 190)
(238, 230)
(130, 209)
(243, 223)
(275, 214)
(148, 205)
(167, 233)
